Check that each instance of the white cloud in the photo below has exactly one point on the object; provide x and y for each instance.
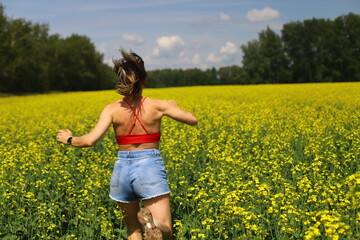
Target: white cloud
(182, 54)
(214, 19)
(197, 62)
(109, 62)
(156, 52)
(229, 48)
(264, 14)
(224, 17)
(170, 42)
(103, 47)
(196, 59)
(168, 46)
(213, 58)
(226, 54)
(133, 38)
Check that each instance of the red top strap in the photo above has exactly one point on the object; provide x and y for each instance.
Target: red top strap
(136, 115)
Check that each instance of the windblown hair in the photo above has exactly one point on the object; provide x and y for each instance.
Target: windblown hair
(131, 74)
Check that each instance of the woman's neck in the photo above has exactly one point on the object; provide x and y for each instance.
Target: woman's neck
(134, 99)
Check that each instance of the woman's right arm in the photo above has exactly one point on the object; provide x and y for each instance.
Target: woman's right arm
(93, 136)
(170, 109)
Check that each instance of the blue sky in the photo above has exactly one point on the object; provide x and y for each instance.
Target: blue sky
(174, 33)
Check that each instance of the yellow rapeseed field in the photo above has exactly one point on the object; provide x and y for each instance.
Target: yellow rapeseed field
(265, 162)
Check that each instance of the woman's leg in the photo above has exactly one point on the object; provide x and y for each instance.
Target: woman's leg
(160, 210)
(133, 225)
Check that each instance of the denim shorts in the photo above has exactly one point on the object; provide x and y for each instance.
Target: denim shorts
(138, 175)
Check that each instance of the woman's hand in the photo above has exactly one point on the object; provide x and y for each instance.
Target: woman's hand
(63, 135)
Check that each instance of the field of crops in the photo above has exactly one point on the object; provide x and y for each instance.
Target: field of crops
(265, 162)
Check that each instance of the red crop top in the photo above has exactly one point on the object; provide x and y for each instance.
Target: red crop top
(138, 138)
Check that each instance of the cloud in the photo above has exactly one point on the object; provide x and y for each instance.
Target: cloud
(197, 62)
(229, 48)
(220, 17)
(182, 54)
(168, 46)
(109, 62)
(133, 5)
(264, 14)
(214, 58)
(223, 16)
(196, 59)
(133, 38)
(226, 54)
(170, 42)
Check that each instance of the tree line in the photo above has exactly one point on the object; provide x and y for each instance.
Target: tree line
(315, 50)
(32, 60)
(229, 75)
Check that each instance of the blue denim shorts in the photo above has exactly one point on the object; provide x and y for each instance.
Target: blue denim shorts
(138, 175)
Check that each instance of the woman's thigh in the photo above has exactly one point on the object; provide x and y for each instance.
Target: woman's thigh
(130, 211)
(160, 209)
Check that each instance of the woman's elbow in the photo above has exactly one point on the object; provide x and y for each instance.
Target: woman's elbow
(90, 143)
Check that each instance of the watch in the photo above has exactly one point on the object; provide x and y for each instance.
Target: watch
(69, 141)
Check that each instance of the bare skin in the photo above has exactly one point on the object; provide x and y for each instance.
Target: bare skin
(119, 115)
(160, 209)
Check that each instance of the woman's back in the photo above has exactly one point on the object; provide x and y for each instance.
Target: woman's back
(144, 113)
(136, 123)
(143, 117)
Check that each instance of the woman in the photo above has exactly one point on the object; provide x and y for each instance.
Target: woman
(139, 172)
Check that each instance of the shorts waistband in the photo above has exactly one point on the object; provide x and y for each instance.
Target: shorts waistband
(138, 153)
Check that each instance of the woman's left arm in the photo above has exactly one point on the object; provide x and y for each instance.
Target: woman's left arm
(90, 139)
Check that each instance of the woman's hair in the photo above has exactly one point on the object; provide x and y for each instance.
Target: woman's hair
(131, 74)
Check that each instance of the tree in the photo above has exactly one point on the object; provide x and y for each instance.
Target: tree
(23, 56)
(265, 60)
(276, 64)
(78, 64)
(34, 61)
(253, 62)
(345, 45)
(3, 47)
(305, 44)
(232, 75)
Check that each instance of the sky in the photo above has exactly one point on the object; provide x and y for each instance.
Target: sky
(174, 33)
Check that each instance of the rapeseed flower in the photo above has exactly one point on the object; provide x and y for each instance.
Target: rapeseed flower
(265, 161)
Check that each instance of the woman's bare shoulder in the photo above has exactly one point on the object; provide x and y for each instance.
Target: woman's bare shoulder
(156, 103)
(113, 106)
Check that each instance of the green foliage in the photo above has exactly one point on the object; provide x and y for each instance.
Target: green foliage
(314, 50)
(308, 45)
(32, 60)
(180, 77)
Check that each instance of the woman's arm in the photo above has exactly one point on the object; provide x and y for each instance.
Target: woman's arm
(171, 110)
(91, 138)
